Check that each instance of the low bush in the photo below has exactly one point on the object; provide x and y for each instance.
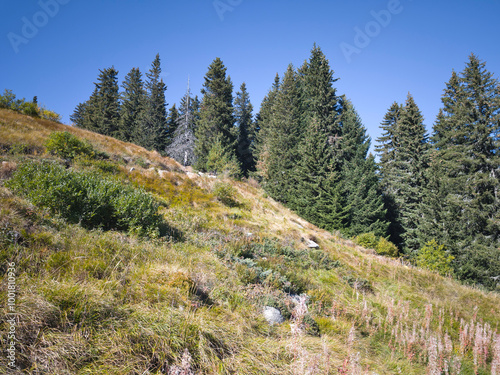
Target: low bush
(386, 247)
(368, 240)
(225, 193)
(434, 257)
(68, 146)
(88, 198)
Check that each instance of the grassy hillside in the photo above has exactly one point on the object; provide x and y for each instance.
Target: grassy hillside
(189, 297)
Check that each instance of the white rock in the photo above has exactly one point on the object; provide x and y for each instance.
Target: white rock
(132, 169)
(312, 245)
(162, 172)
(273, 315)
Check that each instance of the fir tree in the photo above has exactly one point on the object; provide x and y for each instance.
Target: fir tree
(216, 114)
(317, 193)
(386, 147)
(282, 136)
(243, 115)
(172, 123)
(362, 197)
(78, 116)
(462, 202)
(152, 131)
(262, 121)
(133, 105)
(408, 181)
(103, 108)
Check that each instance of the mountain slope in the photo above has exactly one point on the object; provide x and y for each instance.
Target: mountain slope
(90, 301)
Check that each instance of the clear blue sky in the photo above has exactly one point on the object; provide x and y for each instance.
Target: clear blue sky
(415, 51)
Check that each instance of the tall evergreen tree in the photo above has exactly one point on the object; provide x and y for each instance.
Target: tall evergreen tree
(172, 123)
(216, 115)
(101, 113)
(152, 131)
(462, 201)
(262, 121)
(282, 136)
(411, 162)
(386, 148)
(317, 193)
(133, 105)
(362, 196)
(78, 116)
(243, 115)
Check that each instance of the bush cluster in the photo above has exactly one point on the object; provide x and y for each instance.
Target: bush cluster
(434, 257)
(380, 244)
(225, 193)
(87, 198)
(8, 100)
(67, 146)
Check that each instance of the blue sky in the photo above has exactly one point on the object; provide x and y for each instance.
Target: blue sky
(55, 49)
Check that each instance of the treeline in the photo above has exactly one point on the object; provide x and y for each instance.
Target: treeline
(308, 148)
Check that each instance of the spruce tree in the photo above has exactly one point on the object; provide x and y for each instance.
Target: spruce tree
(243, 116)
(216, 115)
(386, 148)
(152, 131)
(279, 151)
(172, 123)
(262, 121)
(317, 194)
(409, 181)
(78, 116)
(101, 113)
(362, 196)
(462, 203)
(133, 105)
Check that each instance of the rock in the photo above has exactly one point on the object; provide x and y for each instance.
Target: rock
(162, 172)
(132, 169)
(191, 174)
(312, 245)
(273, 315)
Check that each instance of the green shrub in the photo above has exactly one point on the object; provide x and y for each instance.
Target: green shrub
(221, 160)
(434, 257)
(225, 193)
(385, 247)
(367, 240)
(68, 146)
(29, 108)
(88, 198)
(7, 99)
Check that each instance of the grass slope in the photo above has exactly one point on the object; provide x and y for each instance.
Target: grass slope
(90, 301)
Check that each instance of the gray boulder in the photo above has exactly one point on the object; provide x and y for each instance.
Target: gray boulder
(273, 315)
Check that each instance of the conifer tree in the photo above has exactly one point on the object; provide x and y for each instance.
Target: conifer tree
(462, 203)
(216, 115)
(408, 183)
(133, 105)
(101, 113)
(78, 116)
(172, 123)
(362, 196)
(152, 131)
(283, 133)
(317, 193)
(386, 148)
(243, 116)
(262, 121)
